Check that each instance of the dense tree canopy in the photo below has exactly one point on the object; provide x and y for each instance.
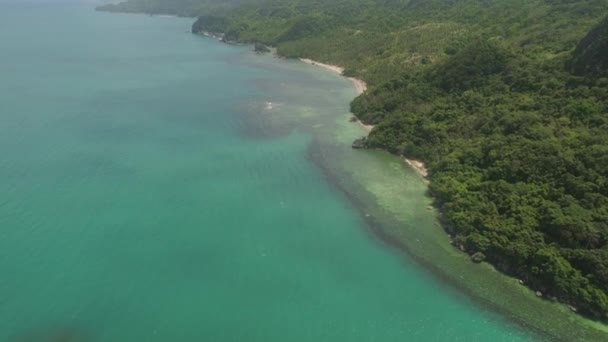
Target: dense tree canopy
(506, 101)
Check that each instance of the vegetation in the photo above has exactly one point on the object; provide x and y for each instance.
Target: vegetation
(591, 54)
(506, 101)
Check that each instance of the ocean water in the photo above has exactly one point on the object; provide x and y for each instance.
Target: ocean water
(161, 186)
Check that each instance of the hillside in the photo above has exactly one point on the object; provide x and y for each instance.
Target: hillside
(504, 100)
(591, 54)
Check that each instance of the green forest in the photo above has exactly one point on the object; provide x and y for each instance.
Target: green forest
(506, 101)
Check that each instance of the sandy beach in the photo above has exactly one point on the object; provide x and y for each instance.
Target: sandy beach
(360, 86)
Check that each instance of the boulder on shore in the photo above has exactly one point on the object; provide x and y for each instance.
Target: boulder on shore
(260, 48)
(478, 257)
(360, 143)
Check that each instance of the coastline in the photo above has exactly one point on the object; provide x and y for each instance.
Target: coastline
(408, 245)
(434, 251)
(360, 88)
(418, 166)
(360, 85)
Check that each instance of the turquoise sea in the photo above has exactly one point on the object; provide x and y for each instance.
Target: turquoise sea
(161, 186)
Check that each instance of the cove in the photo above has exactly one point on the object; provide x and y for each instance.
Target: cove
(159, 186)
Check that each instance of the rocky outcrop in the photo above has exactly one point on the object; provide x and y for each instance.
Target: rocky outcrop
(210, 24)
(260, 48)
(591, 54)
(360, 143)
(478, 257)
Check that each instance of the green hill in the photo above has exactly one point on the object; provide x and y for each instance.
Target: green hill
(499, 98)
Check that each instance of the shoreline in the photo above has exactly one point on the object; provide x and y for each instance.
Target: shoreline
(360, 88)
(360, 85)
(417, 166)
(387, 229)
(421, 170)
(378, 225)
